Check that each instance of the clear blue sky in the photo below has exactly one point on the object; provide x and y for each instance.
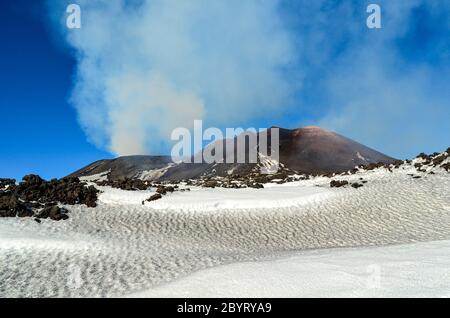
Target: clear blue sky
(40, 133)
(388, 88)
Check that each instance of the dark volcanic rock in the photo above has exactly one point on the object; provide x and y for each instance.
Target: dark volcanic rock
(439, 159)
(210, 184)
(34, 195)
(66, 191)
(423, 156)
(32, 179)
(398, 163)
(373, 166)
(7, 183)
(154, 197)
(11, 206)
(338, 183)
(164, 189)
(53, 212)
(256, 185)
(161, 190)
(170, 189)
(127, 184)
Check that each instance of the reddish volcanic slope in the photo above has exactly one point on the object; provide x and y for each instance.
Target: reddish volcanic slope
(316, 150)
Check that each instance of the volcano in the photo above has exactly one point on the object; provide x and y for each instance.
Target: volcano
(309, 150)
(314, 150)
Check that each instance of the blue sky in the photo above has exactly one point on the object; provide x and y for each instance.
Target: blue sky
(68, 98)
(40, 129)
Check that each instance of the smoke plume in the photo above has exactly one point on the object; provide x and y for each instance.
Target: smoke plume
(146, 67)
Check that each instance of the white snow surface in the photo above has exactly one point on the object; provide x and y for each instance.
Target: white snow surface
(154, 174)
(413, 270)
(211, 200)
(102, 176)
(296, 239)
(360, 156)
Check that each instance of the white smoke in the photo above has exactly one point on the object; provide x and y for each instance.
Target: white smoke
(148, 66)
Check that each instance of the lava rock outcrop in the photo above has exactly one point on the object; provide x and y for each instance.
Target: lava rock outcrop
(37, 197)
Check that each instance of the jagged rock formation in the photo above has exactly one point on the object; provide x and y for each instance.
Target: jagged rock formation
(37, 197)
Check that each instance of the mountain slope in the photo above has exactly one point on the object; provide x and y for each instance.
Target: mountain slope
(309, 150)
(314, 150)
(124, 167)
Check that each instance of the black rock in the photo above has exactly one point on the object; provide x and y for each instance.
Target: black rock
(127, 184)
(154, 197)
(32, 179)
(170, 189)
(423, 156)
(11, 206)
(35, 195)
(439, 159)
(397, 163)
(53, 212)
(7, 183)
(161, 190)
(210, 184)
(23, 212)
(373, 166)
(338, 183)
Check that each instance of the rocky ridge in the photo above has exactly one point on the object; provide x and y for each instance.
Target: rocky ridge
(35, 197)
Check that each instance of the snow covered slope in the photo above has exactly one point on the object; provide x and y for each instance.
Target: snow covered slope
(122, 247)
(413, 270)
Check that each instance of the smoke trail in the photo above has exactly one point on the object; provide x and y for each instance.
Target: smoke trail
(146, 67)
